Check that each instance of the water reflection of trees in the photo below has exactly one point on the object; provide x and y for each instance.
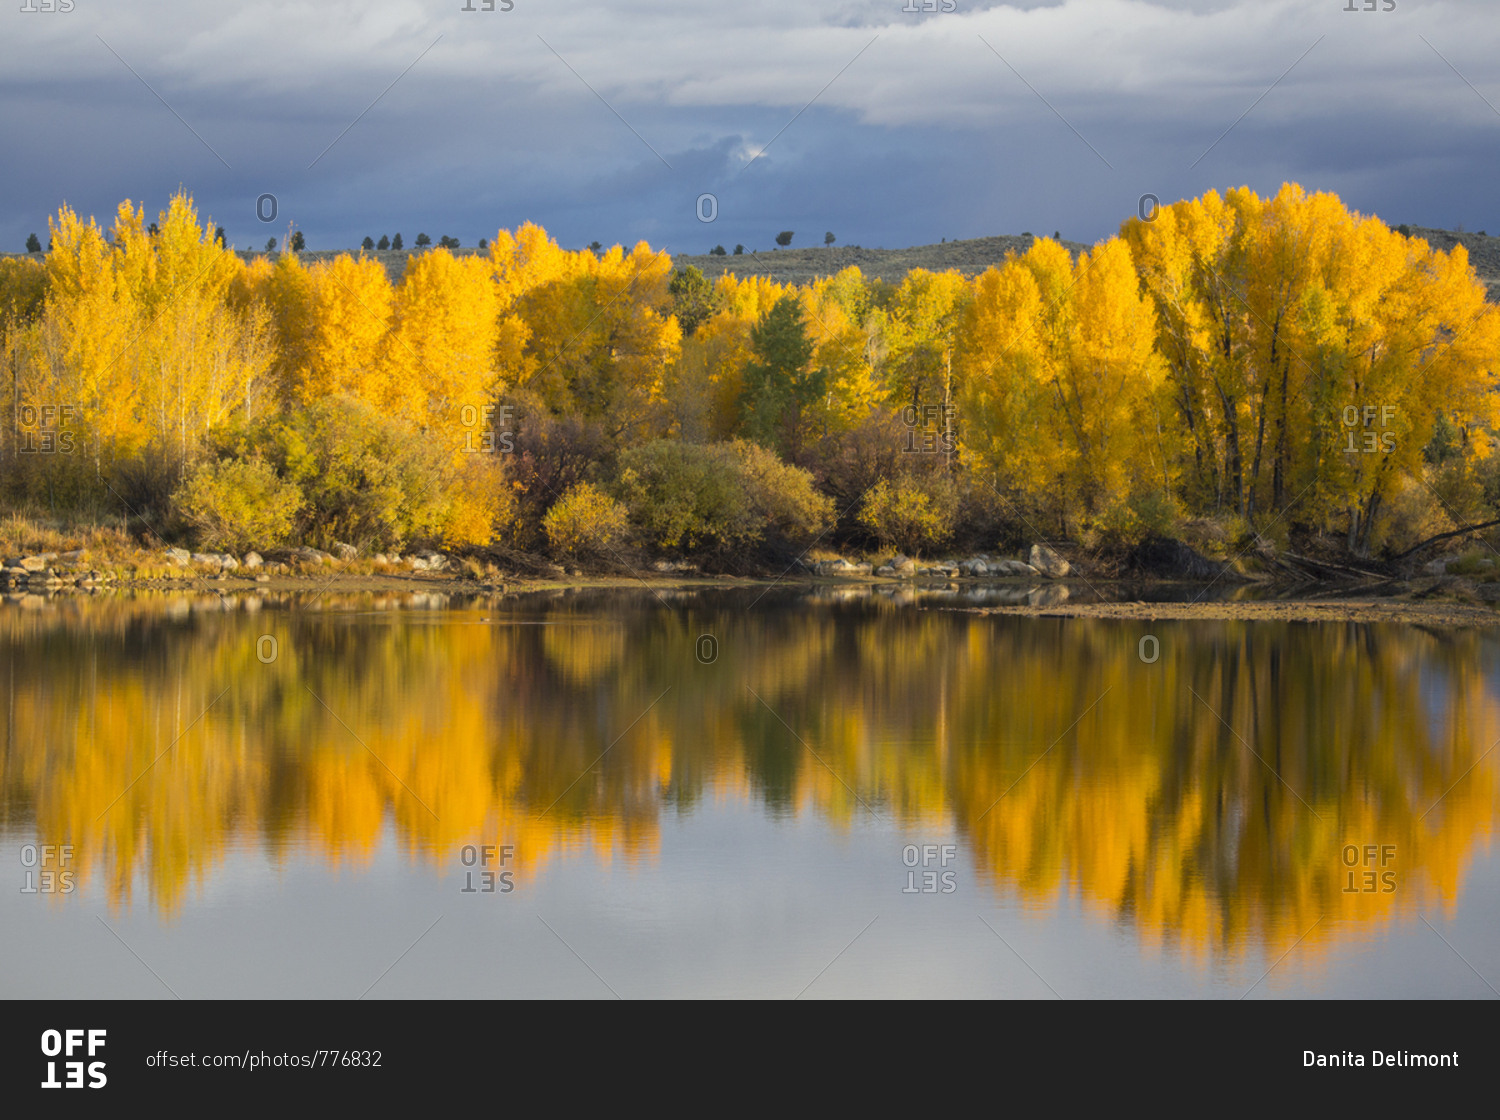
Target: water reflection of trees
(1205, 798)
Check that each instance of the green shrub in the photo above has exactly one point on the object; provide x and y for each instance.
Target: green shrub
(782, 497)
(719, 496)
(238, 504)
(372, 481)
(911, 513)
(585, 522)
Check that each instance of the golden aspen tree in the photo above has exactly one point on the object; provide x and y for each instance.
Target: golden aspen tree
(840, 327)
(1105, 380)
(921, 334)
(196, 359)
(1008, 437)
(441, 353)
(349, 310)
(604, 338)
(704, 386)
(85, 353)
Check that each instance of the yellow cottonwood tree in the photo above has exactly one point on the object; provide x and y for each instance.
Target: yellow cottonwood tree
(441, 352)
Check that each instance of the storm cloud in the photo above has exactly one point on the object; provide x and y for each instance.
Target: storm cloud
(883, 122)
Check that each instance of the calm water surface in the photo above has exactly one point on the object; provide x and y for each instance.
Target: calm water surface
(728, 793)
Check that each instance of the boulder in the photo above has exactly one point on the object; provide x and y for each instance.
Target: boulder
(885, 570)
(1011, 568)
(38, 563)
(208, 559)
(1439, 567)
(252, 561)
(1047, 562)
(344, 551)
(178, 556)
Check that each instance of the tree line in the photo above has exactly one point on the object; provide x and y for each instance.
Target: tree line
(1271, 365)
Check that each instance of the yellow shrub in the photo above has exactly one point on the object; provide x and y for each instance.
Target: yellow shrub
(585, 521)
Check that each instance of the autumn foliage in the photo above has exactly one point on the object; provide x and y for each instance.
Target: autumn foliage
(1280, 362)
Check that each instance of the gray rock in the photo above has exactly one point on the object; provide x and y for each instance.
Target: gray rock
(344, 551)
(1011, 568)
(885, 570)
(179, 556)
(1048, 563)
(209, 559)
(252, 561)
(37, 563)
(1439, 567)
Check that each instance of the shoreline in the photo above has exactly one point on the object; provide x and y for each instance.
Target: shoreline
(1439, 601)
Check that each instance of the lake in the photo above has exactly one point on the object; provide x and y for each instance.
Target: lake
(737, 792)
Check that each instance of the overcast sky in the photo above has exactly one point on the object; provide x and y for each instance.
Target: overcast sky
(885, 126)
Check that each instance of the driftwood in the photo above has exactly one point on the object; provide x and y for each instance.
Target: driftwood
(1446, 536)
(1324, 569)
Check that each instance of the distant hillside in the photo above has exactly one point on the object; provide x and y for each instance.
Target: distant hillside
(801, 265)
(969, 257)
(1483, 250)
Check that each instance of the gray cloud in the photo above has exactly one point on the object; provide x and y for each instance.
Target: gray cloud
(926, 133)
